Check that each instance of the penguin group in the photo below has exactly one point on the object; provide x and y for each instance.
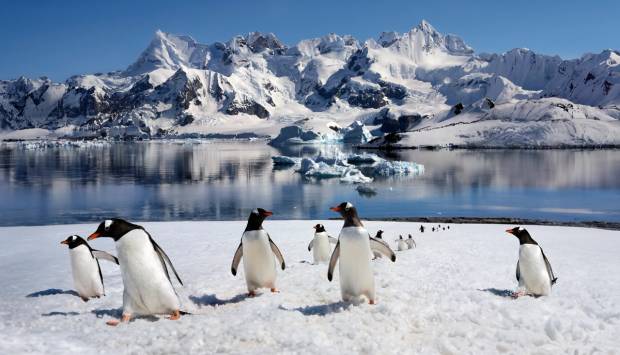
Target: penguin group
(149, 289)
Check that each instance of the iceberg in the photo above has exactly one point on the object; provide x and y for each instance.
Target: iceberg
(397, 168)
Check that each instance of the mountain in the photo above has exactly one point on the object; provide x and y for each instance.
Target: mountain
(255, 84)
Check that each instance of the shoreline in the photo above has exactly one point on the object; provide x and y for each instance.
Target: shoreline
(613, 226)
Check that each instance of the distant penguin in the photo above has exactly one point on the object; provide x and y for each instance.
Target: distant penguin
(353, 249)
(433, 229)
(410, 242)
(534, 272)
(257, 250)
(401, 244)
(87, 276)
(421, 229)
(448, 227)
(144, 268)
(320, 245)
(377, 254)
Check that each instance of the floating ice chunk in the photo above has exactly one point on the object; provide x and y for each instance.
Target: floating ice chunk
(281, 160)
(352, 175)
(295, 135)
(356, 133)
(366, 190)
(364, 158)
(392, 168)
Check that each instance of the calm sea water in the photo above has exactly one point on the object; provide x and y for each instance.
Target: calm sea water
(225, 180)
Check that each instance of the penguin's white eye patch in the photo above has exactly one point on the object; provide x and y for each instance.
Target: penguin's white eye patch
(107, 224)
(348, 206)
(255, 211)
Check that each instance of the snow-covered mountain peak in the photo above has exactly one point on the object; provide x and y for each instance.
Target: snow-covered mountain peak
(166, 51)
(258, 42)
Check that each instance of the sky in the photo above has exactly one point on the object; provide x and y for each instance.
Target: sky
(60, 38)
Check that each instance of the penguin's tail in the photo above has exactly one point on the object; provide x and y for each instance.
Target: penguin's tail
(555, 279)
(184, 313)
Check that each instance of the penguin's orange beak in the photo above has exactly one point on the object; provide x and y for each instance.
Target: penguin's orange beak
(94, 236)
(509, 231)
(64, 242)
(335, 209)
(267, 213)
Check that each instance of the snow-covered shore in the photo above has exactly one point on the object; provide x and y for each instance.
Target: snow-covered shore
(448, 296)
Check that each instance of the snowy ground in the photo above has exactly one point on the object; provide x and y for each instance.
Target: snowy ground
(448, 296)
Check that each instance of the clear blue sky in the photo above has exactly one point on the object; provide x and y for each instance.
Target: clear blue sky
(61, 38)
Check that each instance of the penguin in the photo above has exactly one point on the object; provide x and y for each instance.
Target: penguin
(148, 288)
(353, 249)
(421, 229)
(321, 244)
(534, 272)
(377, 254)
(87, 276)
(257, 250)
(402, 245)
(433, 229)
(410, 242)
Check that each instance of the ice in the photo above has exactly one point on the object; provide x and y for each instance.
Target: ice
(364, 158)
(397, 168)
(281, 160)
(354, 176)
(450, 294)
(290, 135)
(357, 132)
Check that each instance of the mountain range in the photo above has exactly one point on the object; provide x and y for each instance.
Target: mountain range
(254, 84)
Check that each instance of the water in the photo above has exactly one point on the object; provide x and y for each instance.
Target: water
(225, 180)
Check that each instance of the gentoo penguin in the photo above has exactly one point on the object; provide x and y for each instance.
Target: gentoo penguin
(353, 249)
(148, 287)
(257, 250)
(534, 272)
(319, 245)
(421, 229)
(433, 229)
(410, 242)
(87, 277)
(402, 245)
(376, 254)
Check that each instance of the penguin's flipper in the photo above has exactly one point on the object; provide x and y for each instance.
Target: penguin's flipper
(549, 269)
(311, 245)
(332, 262)
(165, 259)
(100, 254)
(277, 252)
(332, 239)
(237, 259)
(382, 247)
(518, 273)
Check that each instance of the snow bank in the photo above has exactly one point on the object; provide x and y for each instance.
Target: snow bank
(447, 296)
(43, 144)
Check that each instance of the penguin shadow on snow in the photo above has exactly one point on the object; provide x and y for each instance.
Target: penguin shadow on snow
(320, 310)
(52, 292)
(212, 300)
(499, 292)
(57, 313)
(117, 313)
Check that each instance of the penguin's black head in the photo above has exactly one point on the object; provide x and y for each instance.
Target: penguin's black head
(522, 234)
(400, 237)
(256, 218)
(319, 228)
(379, 234)
(113, 228)
(349, 213)
(74, 241)
(410, 237)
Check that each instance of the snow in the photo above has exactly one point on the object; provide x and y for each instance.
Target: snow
(447, 296)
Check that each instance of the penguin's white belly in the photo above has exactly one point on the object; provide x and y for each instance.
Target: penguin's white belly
(402, 245)
(534, 276)
(85, 270)
(409, 243)
(356, 276)
(321, 249)
(147, 288)
(259, 263)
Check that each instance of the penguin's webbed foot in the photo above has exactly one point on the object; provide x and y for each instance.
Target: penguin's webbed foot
(373, 302)
(518, 294)
(176, 315)
(252, 294)
(274, 290)
(124, 319)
